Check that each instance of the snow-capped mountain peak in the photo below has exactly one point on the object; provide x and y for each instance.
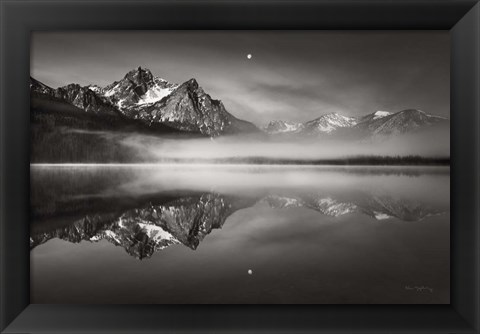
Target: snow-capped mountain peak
(138, 87)
(330, 122)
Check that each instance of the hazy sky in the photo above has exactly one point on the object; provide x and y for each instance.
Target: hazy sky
(292, 75)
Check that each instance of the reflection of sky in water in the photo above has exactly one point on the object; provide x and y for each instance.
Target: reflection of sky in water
(310, 234)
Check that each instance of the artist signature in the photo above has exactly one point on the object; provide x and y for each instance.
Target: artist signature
(419, 288)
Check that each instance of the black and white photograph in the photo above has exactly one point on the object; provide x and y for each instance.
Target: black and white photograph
(240, 167)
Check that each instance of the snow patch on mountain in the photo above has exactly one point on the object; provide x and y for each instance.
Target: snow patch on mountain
(110, 92)
(155, 94)
(94, 88)
(156, 233)
(381, 114)
(112, 235)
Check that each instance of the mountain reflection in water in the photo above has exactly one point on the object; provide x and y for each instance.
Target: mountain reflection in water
(188, 219)
(147, 209)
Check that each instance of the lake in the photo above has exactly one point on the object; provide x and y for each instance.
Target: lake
(167, 234)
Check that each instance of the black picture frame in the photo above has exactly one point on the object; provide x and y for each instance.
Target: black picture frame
(20, 17)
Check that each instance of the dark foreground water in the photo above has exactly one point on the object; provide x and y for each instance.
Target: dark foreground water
(239, 234)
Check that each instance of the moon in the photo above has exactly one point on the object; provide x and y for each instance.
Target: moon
(249, 56)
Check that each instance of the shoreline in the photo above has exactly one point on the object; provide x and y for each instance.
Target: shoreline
(227, 165)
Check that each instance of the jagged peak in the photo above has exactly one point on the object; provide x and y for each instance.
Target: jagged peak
(139, 74)
(192, 83)
(70, 86)
(139, 69)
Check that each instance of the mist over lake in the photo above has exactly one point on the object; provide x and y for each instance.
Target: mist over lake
(435, 143)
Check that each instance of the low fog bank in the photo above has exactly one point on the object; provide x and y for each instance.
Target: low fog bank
(429, 144)
(83, 146)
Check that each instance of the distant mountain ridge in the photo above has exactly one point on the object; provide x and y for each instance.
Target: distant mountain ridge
(278, 126)
(379, 123)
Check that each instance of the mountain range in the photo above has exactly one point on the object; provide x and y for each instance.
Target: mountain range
(141, 101)
(378, 123)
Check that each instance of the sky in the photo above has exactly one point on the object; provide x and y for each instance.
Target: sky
(291, 75)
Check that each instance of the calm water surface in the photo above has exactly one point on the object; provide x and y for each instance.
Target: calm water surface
(239, 234)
